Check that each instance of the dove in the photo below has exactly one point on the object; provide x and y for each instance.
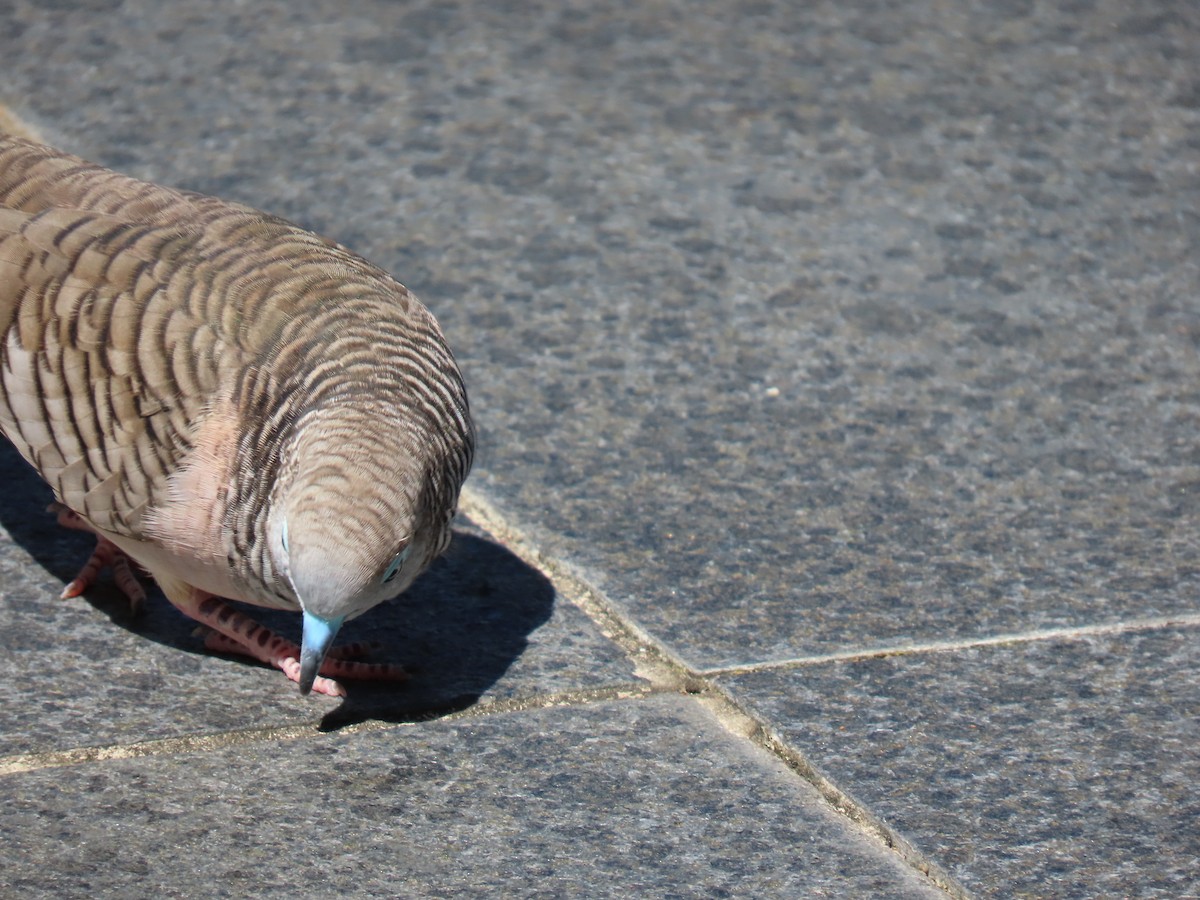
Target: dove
(245, 409)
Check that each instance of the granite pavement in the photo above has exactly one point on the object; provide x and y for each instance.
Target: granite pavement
(835, 526)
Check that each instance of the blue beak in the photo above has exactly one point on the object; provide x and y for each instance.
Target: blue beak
(318, 636)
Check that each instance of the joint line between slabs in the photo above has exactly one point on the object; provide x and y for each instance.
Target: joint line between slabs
(667, 672)
(21, 763)
(1133, 626)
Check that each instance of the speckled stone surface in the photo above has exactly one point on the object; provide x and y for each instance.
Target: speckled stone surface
(1050, 769)
(796, 328)
(651, 798)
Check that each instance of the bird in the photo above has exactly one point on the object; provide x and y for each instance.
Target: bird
(245, 409)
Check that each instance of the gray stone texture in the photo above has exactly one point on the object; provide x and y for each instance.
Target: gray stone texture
(803, 331)
(650, 798)
(1050, 769)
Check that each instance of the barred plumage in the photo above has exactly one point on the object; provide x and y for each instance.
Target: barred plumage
(245, 408)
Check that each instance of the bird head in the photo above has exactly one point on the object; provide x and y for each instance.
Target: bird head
(371, 467)
(347, 536)
(337, 574)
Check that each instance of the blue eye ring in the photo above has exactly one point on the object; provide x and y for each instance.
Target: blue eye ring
(395, 565)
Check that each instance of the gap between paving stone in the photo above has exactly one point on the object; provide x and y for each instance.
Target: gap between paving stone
(191, 743)
(999, 640)
(667, 672)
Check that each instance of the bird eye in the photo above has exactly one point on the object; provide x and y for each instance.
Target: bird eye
(395, 564)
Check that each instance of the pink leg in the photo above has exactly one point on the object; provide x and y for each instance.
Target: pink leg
(232, 631)
(235, 632)
(107, 554)
(359, 650)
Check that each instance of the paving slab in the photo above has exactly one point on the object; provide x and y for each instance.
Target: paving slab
(652, 798)
(1058, 768)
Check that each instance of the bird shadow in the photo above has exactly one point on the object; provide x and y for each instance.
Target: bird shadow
(457, 630)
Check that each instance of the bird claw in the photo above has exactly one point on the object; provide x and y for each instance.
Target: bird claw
(228, 630)
(106, 555)
(289, 664)
(321, 684)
